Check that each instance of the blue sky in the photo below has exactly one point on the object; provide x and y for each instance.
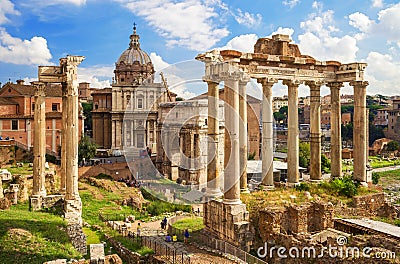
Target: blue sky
(36, 32)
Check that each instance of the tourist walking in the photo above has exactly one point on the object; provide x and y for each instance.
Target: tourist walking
(185, 236)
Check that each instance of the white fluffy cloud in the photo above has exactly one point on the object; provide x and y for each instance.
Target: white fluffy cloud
(6, 7)
(377, 3)
(39, 4)
(158, 61)
(284, 31)
(27, 52)
(319, 39)
(190, 24)
(247, 19)
(382, 74)
(291, 3)
(386, 27)
(98, 76)
(243, 43)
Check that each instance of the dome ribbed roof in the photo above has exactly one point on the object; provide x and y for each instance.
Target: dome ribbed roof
(134, 53)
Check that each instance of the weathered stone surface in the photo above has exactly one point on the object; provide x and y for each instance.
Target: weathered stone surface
(96, 253)
(5, 204)
(77, 237)
(23, 187)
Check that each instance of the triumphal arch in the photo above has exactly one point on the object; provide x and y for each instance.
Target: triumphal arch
(274, 59)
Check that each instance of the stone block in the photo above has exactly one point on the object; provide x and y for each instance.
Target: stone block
(5, 204)
(35, 203)
(58, 261)
(97, 255)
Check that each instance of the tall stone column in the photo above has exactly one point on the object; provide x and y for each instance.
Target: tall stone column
(293, 133)
(267, 148)
(360, 130)
(39, 143)
(73, 206)
(315, 130)
(243, 139)
(213, 188)
(64, 118)
(231, 149)
(336, 135)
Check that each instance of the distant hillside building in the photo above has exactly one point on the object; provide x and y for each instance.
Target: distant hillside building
(393, 129)
(17, 104)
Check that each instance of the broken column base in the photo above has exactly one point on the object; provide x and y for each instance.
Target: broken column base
(229, 222)
(73, 211)
(35, 203)
(73, 215)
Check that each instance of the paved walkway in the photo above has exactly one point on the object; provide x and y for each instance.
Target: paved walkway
(197, 256)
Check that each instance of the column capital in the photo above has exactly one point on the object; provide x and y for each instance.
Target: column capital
(335, 85)
(267, 82)
(39, 88)
(359, 84)
(211, 79)
(291, 83)
(314, 85)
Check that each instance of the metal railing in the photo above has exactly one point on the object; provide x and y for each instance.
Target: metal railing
(228, 248)
(166, 252)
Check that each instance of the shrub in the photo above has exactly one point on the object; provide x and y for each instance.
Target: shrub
(104, 176)
(375, 177)
(303, 187)
(345, 186)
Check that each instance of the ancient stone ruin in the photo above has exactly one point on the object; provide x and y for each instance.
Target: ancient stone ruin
(66, 74)
(273, 59)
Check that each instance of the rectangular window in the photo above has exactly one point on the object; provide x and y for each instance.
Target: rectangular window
(33, 106)
(140, 103)
(54, 107)
(14, 124)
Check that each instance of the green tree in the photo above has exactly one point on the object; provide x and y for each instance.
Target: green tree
(325, 164)
(87, 109)
(86, 149)
(392, 145)
(304, 154)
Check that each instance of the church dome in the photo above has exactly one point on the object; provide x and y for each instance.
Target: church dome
(134, 65)
(134, 52)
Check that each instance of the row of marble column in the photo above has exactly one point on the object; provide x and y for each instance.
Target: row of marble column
(235, 152)
(69, 136)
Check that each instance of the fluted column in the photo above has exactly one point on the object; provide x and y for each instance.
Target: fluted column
(232, 163)
(267, 148)
(63, 138)
(336, 135)
(360, 130)
(39, 144)
(315, 131)
(243, 139)
(213, 188)
(293, 133)
(71, 128)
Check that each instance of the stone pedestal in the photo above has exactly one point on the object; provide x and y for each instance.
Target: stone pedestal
(35, 203)
(229, 222)
(73, 211)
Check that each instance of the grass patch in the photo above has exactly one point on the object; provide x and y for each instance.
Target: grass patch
(376, 162)
(192, 224)
(158, 206)
(33, 237)
(388, 178)
(24, 170)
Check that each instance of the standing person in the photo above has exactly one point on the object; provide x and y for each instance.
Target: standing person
(162, 225)
(185, 235)
(165, 222)
(138, 230)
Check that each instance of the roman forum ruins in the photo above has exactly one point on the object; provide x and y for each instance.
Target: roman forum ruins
(66, 74)
(274, 59)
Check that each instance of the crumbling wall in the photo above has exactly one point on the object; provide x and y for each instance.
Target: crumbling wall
(77, 237)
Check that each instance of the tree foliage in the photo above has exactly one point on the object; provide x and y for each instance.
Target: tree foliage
(325, 164)
(87, 109)
(304, 154)
(392, 145)
(86, 149)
